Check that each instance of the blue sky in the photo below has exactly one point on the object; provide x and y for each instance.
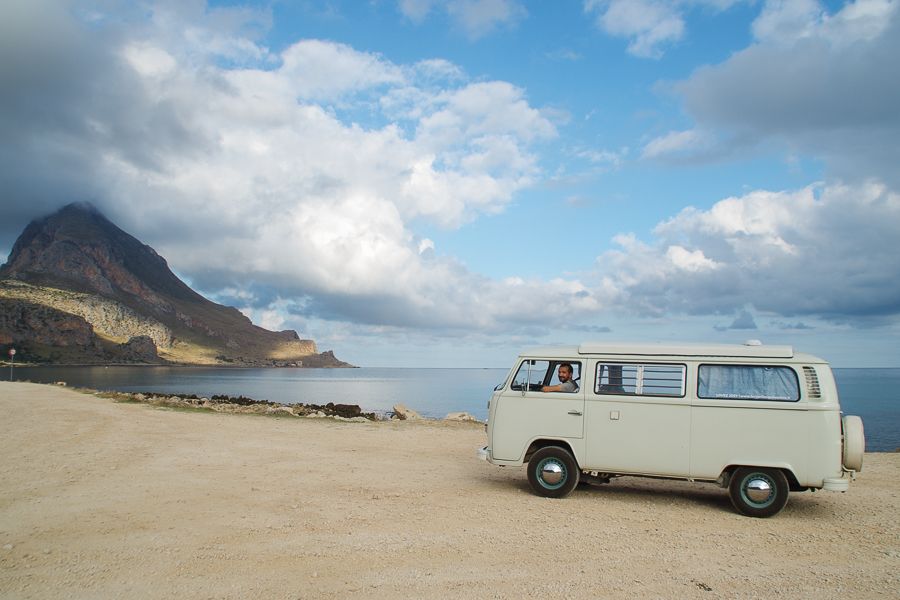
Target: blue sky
(426, 183)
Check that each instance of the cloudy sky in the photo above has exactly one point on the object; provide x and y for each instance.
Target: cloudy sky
(441, 183)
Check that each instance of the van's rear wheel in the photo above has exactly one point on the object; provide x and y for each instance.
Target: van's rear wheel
(758, 492)
(552, 472)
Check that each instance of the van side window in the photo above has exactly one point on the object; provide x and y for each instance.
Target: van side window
(748, 382)
(643, 379)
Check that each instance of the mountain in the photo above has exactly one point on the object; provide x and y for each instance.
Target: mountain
(76, 288)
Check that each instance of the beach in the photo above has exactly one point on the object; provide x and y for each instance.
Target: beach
(101, 499)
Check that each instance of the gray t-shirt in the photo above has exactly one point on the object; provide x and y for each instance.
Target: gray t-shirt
(568, 386)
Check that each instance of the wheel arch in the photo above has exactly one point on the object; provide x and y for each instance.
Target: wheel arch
(793, 483)
(544, 443)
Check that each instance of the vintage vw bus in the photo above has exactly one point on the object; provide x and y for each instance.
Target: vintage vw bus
(759, 420)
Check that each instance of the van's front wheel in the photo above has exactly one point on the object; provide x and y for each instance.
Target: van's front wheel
(552, 472)
(758, 492)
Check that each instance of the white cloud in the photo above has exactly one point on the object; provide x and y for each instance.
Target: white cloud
(862, 20)
(249, 175)
(225, 32)
(438, 69)
(565, 54)
(675, 143)
(480, 17)
(272, 319)
(827, 253)
(149, 61)
(814, 83)
(484, 108)
(786, 23)
(603, 157)
(415, 10)
(468, 153)
(686, 260)
(320, 70)
(744, 320)
(650, 25)
(425, 245)
(477, 18)
(758, 216)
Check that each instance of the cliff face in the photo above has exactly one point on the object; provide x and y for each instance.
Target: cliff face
(78, 263)
(44, 325)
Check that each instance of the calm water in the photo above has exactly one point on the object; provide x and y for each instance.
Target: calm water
(431, 392)
(873, 394)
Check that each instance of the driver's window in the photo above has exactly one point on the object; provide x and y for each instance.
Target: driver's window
(576, 372)
(531, 375)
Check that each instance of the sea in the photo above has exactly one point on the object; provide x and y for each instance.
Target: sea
(873, 394)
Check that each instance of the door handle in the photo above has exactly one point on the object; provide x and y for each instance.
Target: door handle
(577, 413)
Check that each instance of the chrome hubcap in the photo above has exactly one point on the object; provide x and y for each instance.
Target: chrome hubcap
(552, 473)
(758, 489)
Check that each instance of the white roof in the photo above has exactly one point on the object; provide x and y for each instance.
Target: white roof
(667, 349)
(684, 349)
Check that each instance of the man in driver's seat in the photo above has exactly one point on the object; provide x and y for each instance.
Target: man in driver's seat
(565, 380)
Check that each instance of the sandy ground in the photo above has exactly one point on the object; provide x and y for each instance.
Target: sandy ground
(107, 500)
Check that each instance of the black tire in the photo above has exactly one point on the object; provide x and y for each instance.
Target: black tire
(758, 492)
(553, 472)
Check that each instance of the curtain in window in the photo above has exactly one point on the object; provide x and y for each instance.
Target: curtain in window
(749, 382)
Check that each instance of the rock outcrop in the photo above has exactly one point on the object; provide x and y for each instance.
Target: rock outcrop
(140, 348)
(461, 416)
(405, 414)
(78, 263)
(109, 318)
(45, 325)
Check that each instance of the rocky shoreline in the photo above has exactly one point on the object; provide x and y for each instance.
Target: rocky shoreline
(250, 406)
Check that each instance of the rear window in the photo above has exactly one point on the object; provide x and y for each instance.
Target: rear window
(748, 382)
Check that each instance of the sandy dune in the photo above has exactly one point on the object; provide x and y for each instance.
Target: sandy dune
(107, 500)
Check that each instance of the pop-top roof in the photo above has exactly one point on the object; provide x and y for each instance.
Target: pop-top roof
(666, 349)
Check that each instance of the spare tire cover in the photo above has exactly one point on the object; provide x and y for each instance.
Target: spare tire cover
(854, 443)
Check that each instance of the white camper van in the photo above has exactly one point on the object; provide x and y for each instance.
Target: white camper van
(759, 420)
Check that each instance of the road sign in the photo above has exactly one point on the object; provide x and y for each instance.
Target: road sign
(12, 351)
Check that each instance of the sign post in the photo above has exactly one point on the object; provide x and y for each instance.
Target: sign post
(12, 359)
